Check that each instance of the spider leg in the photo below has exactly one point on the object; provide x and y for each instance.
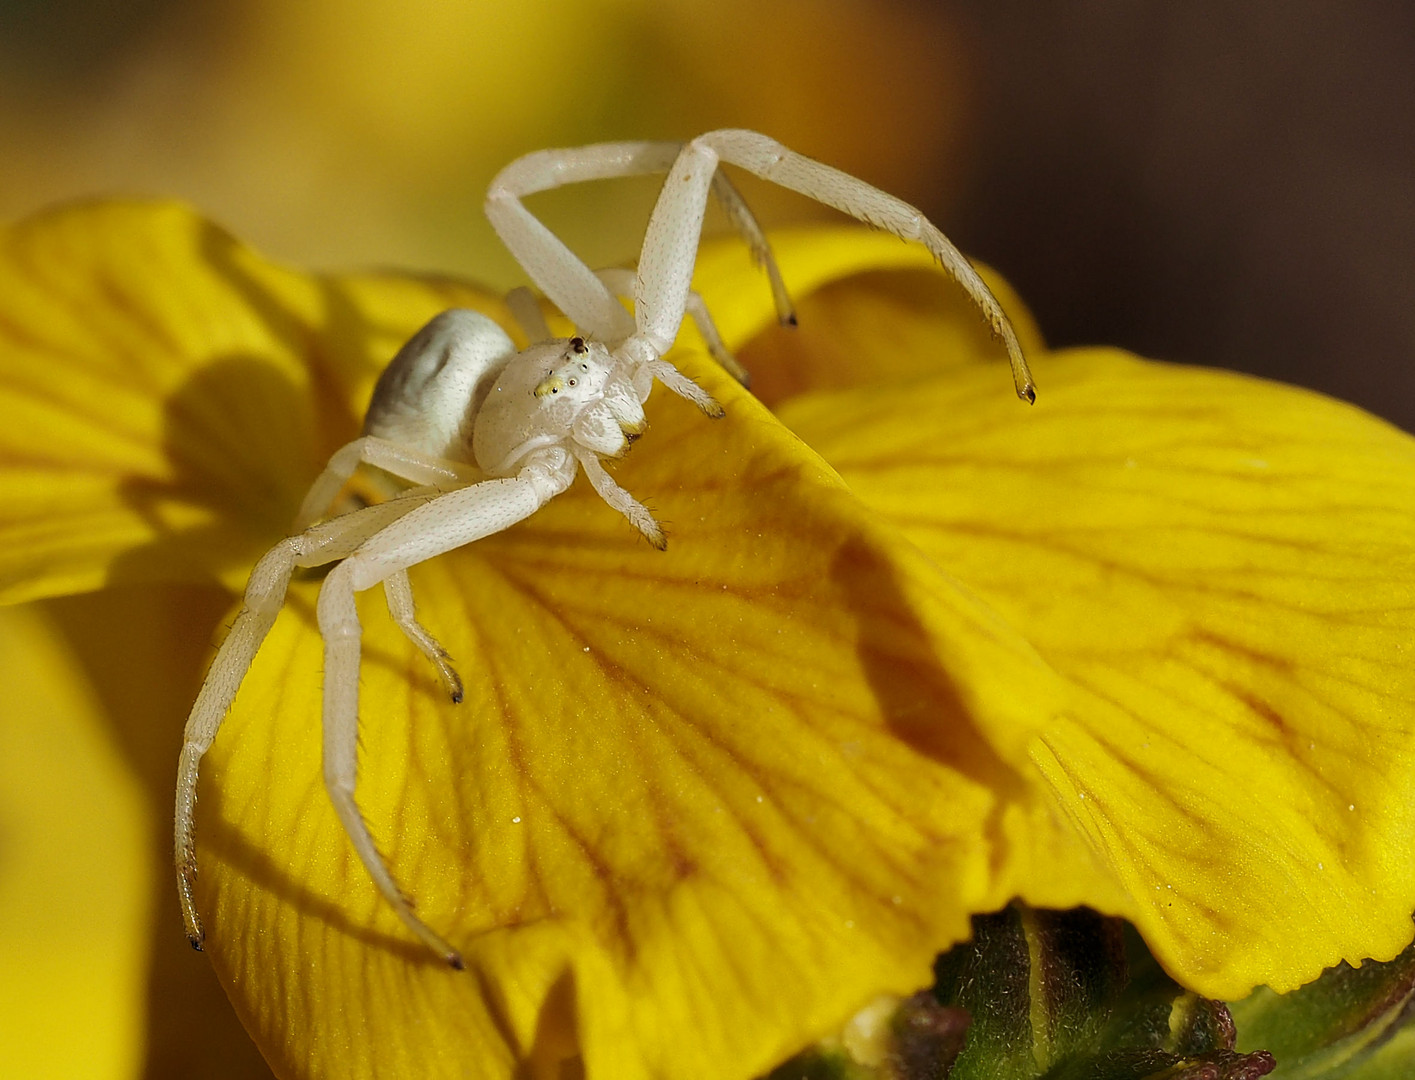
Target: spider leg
(563, 276)
(698, 312)
(670, 253)
(402, 461)
(526, 311)
(770, 160)
(621, 282)
(265, 595)
(745, 222)
(339, 626)
(662, 287)
(398, 591)
(637, 513)
(556, 270)
(684, 387)
(437, 526)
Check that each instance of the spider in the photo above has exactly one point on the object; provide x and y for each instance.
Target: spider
(485, 435)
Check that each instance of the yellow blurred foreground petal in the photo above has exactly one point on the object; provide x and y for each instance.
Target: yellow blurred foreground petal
(697, 808)
(75, 872)
(142, 649)
(1224, 569)
(168, 395)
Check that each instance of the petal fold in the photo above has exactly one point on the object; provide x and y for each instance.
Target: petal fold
(695, 810)
(1223, 569)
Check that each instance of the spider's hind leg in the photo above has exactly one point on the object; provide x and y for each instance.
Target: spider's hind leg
(398, 591)
(339, 626)
(265, 595)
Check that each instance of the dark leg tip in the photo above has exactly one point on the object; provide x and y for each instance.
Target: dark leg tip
(195, 943)
(454, 961)
(457, 696)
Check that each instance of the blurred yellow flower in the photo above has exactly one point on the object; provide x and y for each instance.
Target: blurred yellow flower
(352, 132)
(74, 961)
(1140, 647)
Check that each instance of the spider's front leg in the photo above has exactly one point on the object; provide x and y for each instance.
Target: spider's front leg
(578, 292)
(678, 218)
(446, 522)
(623, 282)
(662, 284)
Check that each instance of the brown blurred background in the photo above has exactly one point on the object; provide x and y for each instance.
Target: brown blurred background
(1218, 181)
(1222, 182)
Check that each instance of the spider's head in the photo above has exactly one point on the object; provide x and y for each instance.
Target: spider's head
(581, 376)
(538, 399)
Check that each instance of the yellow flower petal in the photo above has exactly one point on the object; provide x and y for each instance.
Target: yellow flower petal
(696, 808)
(1224, 568)
(142, 649)
(587, 825)
(168, 395)
(852, 285)
(76, 875)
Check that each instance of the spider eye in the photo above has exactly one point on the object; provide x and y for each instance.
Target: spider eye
(577, 344)
(551, 384)
(584, 366)
(573, 381)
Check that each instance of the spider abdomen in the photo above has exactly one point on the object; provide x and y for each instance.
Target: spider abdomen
(429, 395)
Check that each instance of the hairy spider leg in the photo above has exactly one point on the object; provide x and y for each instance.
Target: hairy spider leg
(264, 597)
(398, 591)
(525, 309)
(438, 526)
(670, 244)
(402, 461)
(747, 226)
(621, 282)
(563, 276)
(637, 513)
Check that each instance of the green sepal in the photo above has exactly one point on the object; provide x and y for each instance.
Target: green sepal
(823, 1063)
(1076, 996)
(1047, 995)
(1350, 1024)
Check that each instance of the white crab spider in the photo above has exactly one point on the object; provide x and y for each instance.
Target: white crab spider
(488, 435)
